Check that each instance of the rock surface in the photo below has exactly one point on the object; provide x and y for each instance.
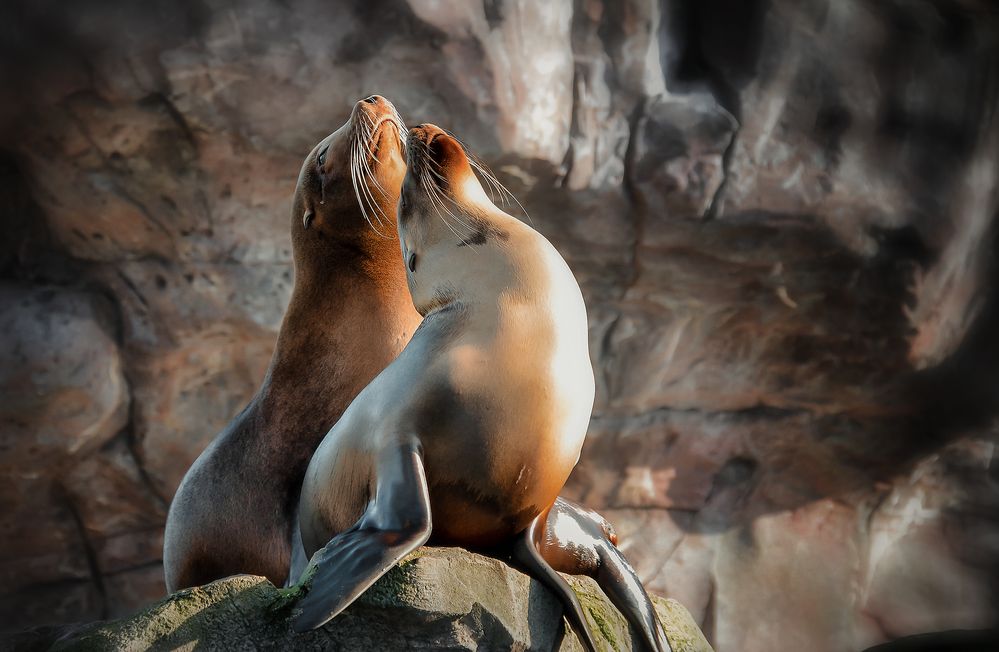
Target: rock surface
(435, 599)
(783, 216)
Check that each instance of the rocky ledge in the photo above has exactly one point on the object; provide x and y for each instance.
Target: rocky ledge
(436, 599)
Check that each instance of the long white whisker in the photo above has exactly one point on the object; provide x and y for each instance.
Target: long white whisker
(487, 174)
(437, 198)
(368, 176)
(440, 198)
(358, 183)
(369, 198)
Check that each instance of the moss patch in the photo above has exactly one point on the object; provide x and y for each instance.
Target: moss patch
(600, 620)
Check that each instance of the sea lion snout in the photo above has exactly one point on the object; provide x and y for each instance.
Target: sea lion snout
(376, 103)
(373, 111)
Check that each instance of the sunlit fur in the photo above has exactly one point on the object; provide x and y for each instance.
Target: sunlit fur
(431, 181)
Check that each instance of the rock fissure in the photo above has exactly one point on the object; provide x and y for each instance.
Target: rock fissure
(93, 564)
(717, 198)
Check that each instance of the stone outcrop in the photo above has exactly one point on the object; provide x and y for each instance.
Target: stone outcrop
(782, 215)
(435, 599)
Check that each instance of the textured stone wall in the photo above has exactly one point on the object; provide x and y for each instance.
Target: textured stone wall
(782, 215)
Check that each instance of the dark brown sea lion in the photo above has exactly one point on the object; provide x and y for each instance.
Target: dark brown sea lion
(349, 316)
(469, 435)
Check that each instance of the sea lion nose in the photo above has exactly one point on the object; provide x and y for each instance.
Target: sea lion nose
(373, 99)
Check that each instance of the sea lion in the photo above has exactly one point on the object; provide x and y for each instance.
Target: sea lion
(468, 436)
(350, 314)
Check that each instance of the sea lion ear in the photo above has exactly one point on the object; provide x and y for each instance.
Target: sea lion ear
(308, 217)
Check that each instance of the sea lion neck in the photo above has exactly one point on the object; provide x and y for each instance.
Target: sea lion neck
(358, 254)
(343, 325)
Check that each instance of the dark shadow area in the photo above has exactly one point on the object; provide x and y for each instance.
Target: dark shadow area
(962, 393)
(952, 641)
(712, 44)
(47, 45)
(22, 223)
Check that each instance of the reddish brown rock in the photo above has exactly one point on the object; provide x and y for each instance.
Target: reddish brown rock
(62, 392)
(121, 517)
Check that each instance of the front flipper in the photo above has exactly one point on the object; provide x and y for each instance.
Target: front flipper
(396, 522)
(299, 560)
(578, 541)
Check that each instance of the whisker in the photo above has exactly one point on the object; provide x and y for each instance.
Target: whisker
(429, 170)
(488, 175)
(369, 175)
(369, 197)
(437, 199)
(360, 188)
(438, 206)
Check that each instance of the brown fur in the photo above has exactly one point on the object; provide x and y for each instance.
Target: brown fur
(349, 316)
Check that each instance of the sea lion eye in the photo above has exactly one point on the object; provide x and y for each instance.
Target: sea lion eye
(412, 262)
(307, 218)
(321, 159)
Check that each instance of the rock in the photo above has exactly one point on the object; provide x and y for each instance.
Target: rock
(43, 549)
(121, 515)
(62, 391)
(77, 506)
(437, 598)
(678, 153)
(532, 79)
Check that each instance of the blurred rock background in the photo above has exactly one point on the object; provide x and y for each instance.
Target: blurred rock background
(783, 216)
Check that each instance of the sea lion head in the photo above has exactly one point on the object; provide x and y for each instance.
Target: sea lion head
(447, 223)
(349, 183)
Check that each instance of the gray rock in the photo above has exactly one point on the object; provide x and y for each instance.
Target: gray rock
(435, 599)
(678, 156)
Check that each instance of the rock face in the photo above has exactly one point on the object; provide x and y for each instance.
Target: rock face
(782, 214)
(435, 599)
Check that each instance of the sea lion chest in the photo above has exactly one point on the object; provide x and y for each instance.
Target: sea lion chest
(501, 410)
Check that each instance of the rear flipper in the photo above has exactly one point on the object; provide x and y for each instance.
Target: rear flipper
(526, 553)
(396, 522)
(577, 541)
